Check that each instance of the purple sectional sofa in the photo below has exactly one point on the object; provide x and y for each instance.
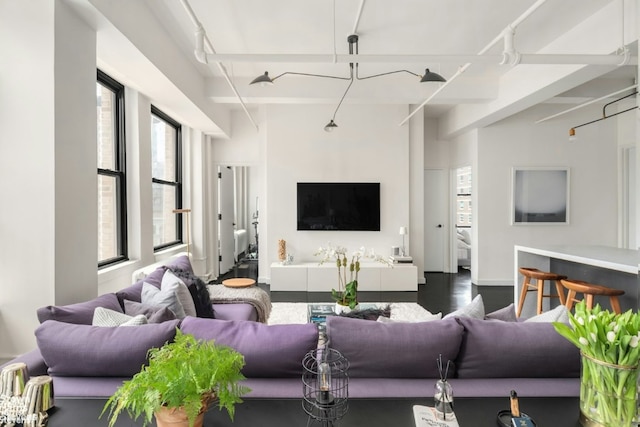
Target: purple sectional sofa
(396, 359)
(491, 357)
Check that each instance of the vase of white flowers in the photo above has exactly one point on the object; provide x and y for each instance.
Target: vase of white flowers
(346, 296)
(608, 344)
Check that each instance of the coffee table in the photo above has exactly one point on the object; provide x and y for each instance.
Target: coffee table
(471, 412)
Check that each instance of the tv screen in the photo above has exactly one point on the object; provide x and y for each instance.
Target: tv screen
(339, 206)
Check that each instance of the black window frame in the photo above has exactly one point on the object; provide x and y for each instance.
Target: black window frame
(177, 184)
(119, 173)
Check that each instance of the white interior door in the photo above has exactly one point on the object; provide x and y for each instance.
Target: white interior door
(435, 215)
(226, 239)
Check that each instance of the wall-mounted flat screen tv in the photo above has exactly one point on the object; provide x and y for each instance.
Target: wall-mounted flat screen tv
(339, 206)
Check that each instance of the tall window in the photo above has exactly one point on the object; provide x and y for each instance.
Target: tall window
(112, 198)
(166, 164)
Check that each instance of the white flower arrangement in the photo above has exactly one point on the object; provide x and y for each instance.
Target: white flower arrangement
(347, 293)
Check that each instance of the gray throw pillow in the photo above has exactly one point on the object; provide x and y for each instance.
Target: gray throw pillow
(475, 309)
(153, 313)
(154, 296)
(172, 283)
(506, 314)
(109, 318)
(558, 314)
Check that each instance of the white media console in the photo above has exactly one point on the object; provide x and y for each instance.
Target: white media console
(315, 277)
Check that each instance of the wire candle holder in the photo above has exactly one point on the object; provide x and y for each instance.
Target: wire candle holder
(325, 383)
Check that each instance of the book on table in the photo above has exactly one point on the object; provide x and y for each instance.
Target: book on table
(319, 312)
(427, 416)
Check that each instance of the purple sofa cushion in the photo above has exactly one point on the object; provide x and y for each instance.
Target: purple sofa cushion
(496, 349)
(394, 350)
(269, 350)
(94, 351)
(80, 313)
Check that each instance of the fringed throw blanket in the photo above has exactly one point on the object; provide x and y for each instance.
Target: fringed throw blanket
(253, 295)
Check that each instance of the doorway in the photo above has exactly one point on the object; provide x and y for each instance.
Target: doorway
(237, 217)
(463, 217)
(435, 219)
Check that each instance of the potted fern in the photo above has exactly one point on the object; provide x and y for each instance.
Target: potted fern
(181, 380)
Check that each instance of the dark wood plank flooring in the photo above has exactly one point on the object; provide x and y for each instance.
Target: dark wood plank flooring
(443, 292)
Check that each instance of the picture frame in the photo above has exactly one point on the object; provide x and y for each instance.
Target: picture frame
(540, 195)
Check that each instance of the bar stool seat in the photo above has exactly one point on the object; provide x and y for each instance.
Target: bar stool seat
(589, 290)
(540, 277)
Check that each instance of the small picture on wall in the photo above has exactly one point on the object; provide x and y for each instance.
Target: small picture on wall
(540, 196)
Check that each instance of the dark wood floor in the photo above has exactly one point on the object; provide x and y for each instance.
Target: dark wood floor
(443, 292)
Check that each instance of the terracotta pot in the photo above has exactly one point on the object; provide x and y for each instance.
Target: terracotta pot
(176, 417)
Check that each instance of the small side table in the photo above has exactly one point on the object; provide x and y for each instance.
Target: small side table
(239, 282)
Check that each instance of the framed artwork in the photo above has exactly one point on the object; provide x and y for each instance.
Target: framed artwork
(540, 196)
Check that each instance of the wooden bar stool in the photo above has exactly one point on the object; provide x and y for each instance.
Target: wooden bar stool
(539, 277)
(589, 290)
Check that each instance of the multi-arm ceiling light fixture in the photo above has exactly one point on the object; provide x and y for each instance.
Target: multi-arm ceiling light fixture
(572, 131)
(428, 76)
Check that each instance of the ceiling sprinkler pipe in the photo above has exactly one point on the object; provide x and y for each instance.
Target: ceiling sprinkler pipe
(199, 52)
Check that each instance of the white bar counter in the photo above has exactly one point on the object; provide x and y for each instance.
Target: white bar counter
(602, 265)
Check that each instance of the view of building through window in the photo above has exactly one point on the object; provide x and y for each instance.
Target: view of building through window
(166, 187)
(111, 196)
(463, 201)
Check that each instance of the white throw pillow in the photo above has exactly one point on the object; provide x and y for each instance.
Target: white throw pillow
(154, 296)
(170, 282)
(428, 318)
(558, 314)
(475, 309)
(108, 318)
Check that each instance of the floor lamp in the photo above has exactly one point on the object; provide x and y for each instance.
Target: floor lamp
(187, 212)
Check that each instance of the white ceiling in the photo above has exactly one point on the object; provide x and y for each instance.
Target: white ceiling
(402, 27)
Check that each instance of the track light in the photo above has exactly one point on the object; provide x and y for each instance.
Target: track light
(330, 126)
(262, 79)
(428, 76)
(572, 131)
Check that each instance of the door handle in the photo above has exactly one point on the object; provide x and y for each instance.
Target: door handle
(439, 226)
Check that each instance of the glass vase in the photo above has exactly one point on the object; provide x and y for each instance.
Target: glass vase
(608, 394)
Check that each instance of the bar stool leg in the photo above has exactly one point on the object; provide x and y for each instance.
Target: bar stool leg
(589, 299)
(615, 304)
(540, 294)
(523, 295)
(560, 290)
(571, 299)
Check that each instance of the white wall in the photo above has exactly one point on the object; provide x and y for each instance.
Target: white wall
(48, 236)
(368, 146)
(519, 142)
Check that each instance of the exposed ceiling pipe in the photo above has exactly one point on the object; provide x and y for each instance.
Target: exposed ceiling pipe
(493, 42)
(201, 41)
(358, 16)
(524, 58)
(584, 104)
